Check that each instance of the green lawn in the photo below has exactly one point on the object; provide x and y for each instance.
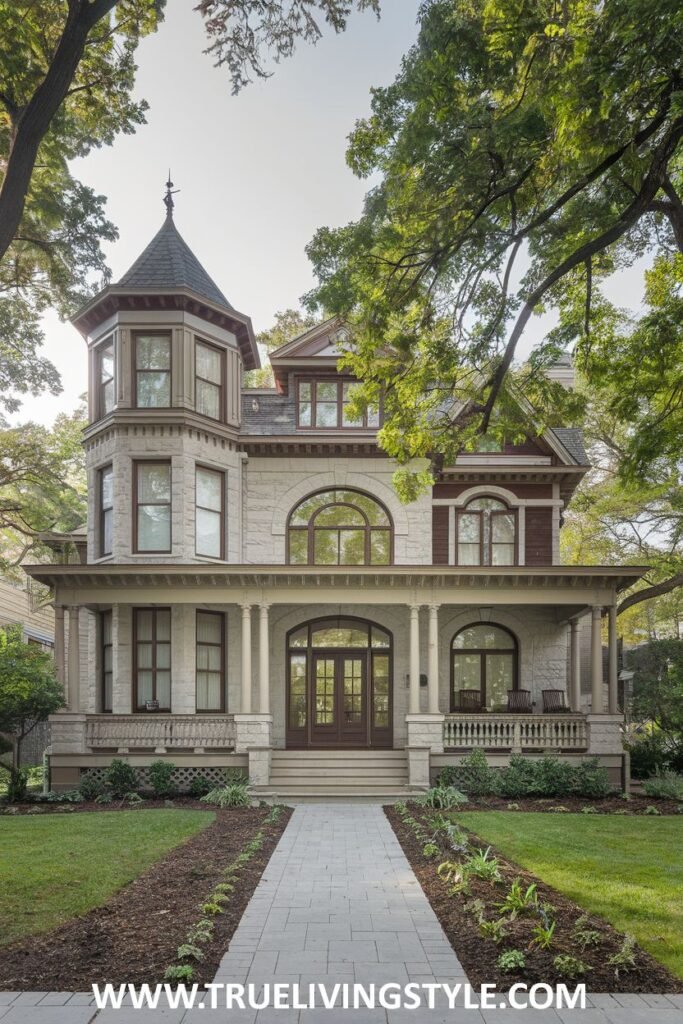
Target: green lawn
(54, 866)
(628, 870)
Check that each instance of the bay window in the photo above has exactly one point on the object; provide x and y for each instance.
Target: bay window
(209, 380)
(152, 658)
(209, 517)
(152, 371)
(104, 363)
(106, 502)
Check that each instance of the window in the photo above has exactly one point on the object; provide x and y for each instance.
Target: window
(325, 404)
(209, 531)
(104, 362)
(152, 658)
(486, 533)
(152, 371)
(210, 661)
(209, 380)
(153, 507)
(484, 668)
(106, 499)
(106, 649)
(339, 527)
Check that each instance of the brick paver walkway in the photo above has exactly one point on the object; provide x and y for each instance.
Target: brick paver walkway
(338, 902)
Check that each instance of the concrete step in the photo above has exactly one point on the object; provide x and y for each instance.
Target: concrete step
(341, 771)
(305, 793)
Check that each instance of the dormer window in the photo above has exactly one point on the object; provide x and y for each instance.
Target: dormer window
(486, 533)
(153, 371)
(209, 380)
(104, 362)
(325, 405)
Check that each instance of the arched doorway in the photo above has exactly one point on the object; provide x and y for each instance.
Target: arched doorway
(484, 667)
(339, 673)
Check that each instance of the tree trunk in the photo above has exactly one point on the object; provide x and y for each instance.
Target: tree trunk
(656, 590)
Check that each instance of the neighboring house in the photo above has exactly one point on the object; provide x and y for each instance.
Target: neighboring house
(256, 595)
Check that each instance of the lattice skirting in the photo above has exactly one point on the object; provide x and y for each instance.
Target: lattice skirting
(181, 778)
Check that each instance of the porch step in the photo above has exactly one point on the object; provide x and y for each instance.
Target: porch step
(339, 775)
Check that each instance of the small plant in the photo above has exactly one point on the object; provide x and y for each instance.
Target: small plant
(512, 807)
(586, 937)
(160, 776)
(651, 809)
(188, 951)
(430, 850)
(517, 899)
(133, 798)
(543, 935)
(443, 798)
(589, 810)
(202, 931)
(104, 798)
(559, 809)
(481, 865)
(234, 794)
(495, 930)
(212, 908)
(625, 958)
(665, 786)
(224, 887)
(454, 873)
(476, 908)
(200, 786)
(179, 972)
(91, 787)
(569, 966)
(121, 778)
(67, 796)
(511, 960)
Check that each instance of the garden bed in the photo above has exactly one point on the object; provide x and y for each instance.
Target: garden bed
(460, 914)
(134, 937)
(577, 805)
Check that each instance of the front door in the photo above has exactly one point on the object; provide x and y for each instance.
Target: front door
(339, 699)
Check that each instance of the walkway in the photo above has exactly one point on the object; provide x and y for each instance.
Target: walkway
(339, 903)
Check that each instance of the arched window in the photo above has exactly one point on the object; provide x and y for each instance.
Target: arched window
(484, 666)
(339, 527)
(486, 533)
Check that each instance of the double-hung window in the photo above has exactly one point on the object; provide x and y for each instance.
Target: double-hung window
(104, 364)
(326, 404)
(209, 381)
(210, 661)
(152, 371)
(152, 658)
(106, 655)
(106, 500)
(209, 521)
(152, 526)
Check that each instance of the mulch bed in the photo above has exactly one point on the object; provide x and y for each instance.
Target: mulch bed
(134, 937)
(575, 804)
(479, 955)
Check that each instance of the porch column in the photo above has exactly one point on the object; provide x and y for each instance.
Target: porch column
(246, 660)
(59, 644)
(433, 661)
(74, 674)
(612, 677)
(263, 661)
(575, 666)
(414, 702)
(597, 707)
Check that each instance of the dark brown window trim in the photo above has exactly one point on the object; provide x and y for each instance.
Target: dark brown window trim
(481, 652)
(101, 383)
(157, 334)
(310, 527)
(219, 472)
(102, 508)
(137, 709)
(152, 462)
(103, 647)
(339, 427)
(459, 510)
(222, 387)
(221, 710)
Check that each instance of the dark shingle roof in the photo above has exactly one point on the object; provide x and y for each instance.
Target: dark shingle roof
(168, 262)
(572, 439)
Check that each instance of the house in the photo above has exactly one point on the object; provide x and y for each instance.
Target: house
(255, 595)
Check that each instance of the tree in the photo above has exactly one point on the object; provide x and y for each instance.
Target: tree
(29, 693)
(42, 485)
(525, 151)
(289, 323)
(658, 694)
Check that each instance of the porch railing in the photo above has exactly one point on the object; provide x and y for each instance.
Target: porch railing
(160, 732)
(516, 732)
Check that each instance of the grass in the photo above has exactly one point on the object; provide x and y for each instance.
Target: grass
(55, 866)
(628, 870)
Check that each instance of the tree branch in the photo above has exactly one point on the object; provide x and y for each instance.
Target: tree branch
(656, 590)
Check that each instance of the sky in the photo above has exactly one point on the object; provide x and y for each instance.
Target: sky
(258, 173)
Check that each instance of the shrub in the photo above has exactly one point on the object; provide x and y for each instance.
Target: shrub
(235, 794)
(17, 786)
(591, 780)
(520, 778)
(665, 786)
(648, 757)
(569, 966)
(511, 960)
(104, 798)
(67, 796)
(200, 786)
(651, 809)
(91, 787)
(160, 775)
(443, 798)
(473, 776)
(121, 778)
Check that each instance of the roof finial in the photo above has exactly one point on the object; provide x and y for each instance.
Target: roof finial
(168, 198)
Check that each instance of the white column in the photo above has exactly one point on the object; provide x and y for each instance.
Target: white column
(246, 659)
(575, 666)
(613, 687)
(433, 662)
(74, 674)
(59, 644)
(263, 662)
(414, 702)
(597, 707)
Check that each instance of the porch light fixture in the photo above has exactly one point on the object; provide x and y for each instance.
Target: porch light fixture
(254, 405)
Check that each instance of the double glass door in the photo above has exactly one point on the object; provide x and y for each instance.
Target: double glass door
(339, 712)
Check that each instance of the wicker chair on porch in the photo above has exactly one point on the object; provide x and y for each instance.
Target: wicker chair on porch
(470, 701)
(519, 701)
(554, 702)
